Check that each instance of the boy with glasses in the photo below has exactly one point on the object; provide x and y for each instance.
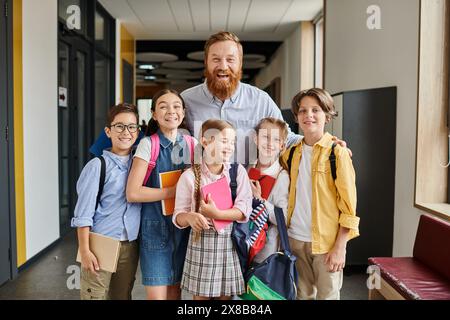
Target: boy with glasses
(108, 213)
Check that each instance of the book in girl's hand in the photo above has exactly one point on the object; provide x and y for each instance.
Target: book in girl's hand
(168, 179)
(221, 195)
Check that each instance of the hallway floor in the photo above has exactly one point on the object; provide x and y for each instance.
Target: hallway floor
(50, 278)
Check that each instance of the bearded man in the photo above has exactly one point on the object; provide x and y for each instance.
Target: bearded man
(224, 96)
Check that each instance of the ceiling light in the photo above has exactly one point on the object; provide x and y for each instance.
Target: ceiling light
(149, 77)
(147, 67)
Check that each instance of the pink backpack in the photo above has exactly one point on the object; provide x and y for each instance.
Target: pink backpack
(154, 140)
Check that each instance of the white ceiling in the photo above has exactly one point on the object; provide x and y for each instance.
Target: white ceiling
(256, 20)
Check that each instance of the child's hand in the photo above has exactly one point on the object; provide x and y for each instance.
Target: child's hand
(89, 262)
(256, 189)
(343, 144)
(171, 192)
(197, 221)
(335, 259)
(208, 209)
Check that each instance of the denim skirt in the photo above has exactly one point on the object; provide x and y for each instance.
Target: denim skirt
(162, 248)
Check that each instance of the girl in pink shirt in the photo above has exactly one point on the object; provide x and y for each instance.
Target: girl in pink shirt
(211, 268)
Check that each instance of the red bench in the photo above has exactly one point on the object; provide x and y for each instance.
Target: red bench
(425, 275)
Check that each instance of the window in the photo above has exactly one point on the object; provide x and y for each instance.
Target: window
(102, 30)
(432, 174)
(318, 51)
(86, 74)
(144, 109)
(274, 90)
(102, 92)
(104, 35)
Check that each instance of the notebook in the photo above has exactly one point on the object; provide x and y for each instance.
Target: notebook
(266, 182)
(168, 179)
(106, 249)
(221, 194)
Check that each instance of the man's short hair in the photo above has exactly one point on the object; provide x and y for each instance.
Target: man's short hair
(223, 36)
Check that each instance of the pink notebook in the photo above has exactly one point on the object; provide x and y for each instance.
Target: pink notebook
(221, 194)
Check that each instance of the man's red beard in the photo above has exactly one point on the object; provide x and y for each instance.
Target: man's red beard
(222, 89)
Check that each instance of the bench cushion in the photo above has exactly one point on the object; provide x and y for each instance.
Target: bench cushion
(413, 279)
(432, 244)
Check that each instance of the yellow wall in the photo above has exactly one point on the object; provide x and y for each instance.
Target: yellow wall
(127, 53)
(18, 132)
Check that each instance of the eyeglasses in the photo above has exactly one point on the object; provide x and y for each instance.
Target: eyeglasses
(120, 127)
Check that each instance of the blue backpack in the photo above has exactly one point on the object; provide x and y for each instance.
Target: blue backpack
(276, 277)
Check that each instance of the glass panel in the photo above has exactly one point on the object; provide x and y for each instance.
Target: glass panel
(63, 57)
(64, 217)
(64, 134)
(65, 182)
(145, 110)
(63, 5)
(102, 36)
(81, 107)
(319, 54)
(102, 92)
(99, 27)
(63, 79)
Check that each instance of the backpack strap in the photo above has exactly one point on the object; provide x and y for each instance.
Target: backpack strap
(191, 145)
(333, 161)
(102, 180)
(154, 141)
(282, 230)
(291, 155)
(233, 180)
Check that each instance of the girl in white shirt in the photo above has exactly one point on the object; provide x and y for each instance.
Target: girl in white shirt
(270, 137)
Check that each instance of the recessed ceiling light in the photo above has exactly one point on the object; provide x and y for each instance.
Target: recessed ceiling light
(147, 67)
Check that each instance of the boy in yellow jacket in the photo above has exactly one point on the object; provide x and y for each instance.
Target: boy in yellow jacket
(321, 208)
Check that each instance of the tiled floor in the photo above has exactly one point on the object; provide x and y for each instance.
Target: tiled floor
(50, 277)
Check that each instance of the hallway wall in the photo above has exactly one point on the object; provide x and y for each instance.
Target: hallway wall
(293, 63)
(359, 58)
(285, 64)
(40, 124)
(127, 53)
